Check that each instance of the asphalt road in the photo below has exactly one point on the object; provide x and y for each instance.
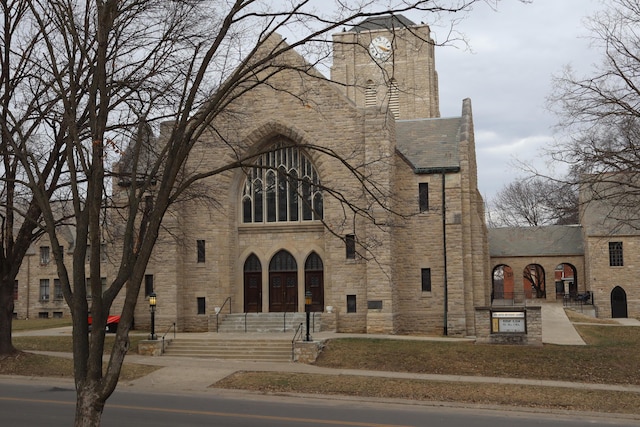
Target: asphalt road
(52, 406)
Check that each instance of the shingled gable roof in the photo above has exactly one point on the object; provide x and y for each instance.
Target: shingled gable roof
(430, 145)
(552, 240)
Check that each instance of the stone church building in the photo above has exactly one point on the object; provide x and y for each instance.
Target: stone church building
(395, 243)
(360, 194)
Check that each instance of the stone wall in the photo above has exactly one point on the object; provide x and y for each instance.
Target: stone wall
(603, 278)
(533, 335)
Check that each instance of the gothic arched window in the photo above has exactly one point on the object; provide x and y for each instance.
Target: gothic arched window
(283, 186)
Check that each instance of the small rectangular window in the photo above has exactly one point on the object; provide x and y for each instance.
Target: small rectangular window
(44, 255)
(351, 303)
(148, 284)
(423, 196)
(615, 254)
(374, 305)
(201, 305)
(350, 243)
(426, 280)
(43, 315)
(44, 289)
(201, 252)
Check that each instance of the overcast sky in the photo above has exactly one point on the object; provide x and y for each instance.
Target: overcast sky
(516, 50)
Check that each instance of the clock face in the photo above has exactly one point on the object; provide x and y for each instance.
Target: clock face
(380, 48)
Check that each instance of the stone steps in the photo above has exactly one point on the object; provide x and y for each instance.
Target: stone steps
(266, 322)
(229, 342)
(268, 350)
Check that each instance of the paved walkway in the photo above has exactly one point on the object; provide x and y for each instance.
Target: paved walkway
(556, 327)
(193, 375)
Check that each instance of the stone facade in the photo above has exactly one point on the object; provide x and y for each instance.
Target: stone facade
(382, 258)
(379, 290)
(38, 292)
(615, 289)
(598, 257)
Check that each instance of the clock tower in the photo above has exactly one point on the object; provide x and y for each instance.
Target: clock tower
(388, 62)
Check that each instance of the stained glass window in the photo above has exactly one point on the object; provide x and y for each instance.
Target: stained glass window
(283, 186)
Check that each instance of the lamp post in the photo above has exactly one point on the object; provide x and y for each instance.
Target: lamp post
(307, 308)
(152, 306)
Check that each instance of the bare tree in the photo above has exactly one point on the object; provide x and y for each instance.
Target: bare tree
(601, 117)
(120, 68)
(29, 123)
(533, 202)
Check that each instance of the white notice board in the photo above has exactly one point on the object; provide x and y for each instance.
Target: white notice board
(509, 322)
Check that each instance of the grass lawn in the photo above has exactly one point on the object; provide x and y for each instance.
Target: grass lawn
(38, 365)
(612, 350)
(612, 356)
(64, 343)
(38, 324)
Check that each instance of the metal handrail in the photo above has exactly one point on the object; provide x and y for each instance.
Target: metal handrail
(313, 320)
(284, 319)
(245, 322)
(218, 313)
(299, 331)
(173, 325)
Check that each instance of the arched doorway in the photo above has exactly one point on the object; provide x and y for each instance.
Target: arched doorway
(502, 283)
(618, 303)
(283, 283)
(252, 285)
(314, 281)
(533, 281)
(566, 280)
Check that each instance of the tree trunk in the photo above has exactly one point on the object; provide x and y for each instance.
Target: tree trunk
(6, 316)
(89, 405)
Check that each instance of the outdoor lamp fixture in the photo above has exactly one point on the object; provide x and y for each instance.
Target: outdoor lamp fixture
(307, 308)
(152, 306)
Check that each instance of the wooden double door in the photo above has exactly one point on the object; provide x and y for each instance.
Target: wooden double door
(283, 291)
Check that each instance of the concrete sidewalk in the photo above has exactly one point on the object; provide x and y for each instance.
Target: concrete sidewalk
(192, 375)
